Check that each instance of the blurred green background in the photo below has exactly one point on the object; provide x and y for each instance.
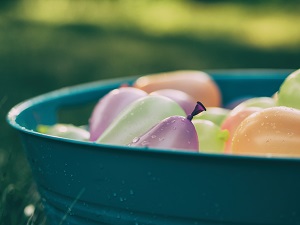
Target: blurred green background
(49, 44)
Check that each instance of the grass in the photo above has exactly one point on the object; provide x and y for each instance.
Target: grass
(251, 25)
(45, 45)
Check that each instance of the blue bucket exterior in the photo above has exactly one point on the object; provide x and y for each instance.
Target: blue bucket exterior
(87, 183)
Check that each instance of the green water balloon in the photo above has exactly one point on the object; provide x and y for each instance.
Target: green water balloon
(289, 91)
(65, 130)
(214, 114)
(210, 136)
(261, 102)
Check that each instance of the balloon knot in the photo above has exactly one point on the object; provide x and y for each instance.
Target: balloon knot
(198, 109)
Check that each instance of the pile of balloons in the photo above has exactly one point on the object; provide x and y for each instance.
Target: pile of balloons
(181, 110)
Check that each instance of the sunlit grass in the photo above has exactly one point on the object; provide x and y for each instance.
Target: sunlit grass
(258, 26)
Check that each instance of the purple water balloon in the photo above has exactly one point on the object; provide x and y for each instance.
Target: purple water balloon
(174, 133)
(109, 107)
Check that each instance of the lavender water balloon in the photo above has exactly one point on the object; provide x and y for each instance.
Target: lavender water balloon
(173, 133)
(214, 114)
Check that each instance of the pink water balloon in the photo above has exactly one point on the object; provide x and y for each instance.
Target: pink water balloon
(172, 133)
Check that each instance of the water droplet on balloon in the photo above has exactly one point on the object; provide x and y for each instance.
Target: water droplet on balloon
(174, 128)
(273, 125)
(161, 139)
(135, 140)
(153, 136)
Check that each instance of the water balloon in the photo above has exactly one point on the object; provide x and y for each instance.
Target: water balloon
(233, 120)
(173, 133)
(182, 98)
(273, 131)
(261, 102)
(211, 137)
(197, 84)
(289, 91)
(65, 130)
(214, 114)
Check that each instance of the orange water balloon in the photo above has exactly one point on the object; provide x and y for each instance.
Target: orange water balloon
(197, 84)
(273, 131)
